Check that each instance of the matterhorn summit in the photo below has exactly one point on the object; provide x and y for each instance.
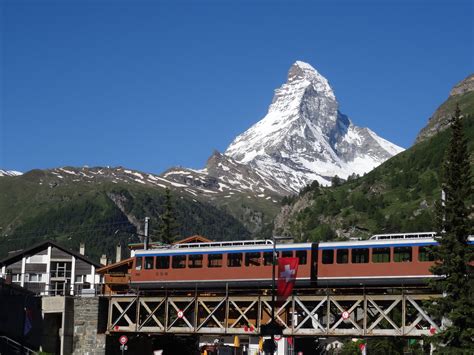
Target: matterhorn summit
(304, 137)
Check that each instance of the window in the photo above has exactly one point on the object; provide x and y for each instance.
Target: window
(61, 269)
(268, 258)
(360, 256)
(381, 255)
(195, 261)
(149, 262)
(138, 263)
(287, 254)
(402, 254)
(16, 278)
(80, 279)
(179, 261)
(234, 259)
(328, 256)
(35, 277)
(425, 254)
(162, 262)
(214, 260)
(342, 256)
(302, 256)
(252, 259)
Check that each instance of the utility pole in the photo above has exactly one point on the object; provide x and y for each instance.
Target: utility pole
(145, 242)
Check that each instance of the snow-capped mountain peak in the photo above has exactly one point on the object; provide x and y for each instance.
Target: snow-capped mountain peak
(304, 137)
(304, 72)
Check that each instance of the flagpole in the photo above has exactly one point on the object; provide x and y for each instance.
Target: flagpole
(273, 327)
(272, 337)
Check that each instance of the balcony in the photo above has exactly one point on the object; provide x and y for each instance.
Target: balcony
(60, 274)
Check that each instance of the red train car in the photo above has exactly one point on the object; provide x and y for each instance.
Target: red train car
(385, 260)
(241, 263)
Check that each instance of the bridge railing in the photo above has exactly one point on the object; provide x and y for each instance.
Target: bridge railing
(357, 315)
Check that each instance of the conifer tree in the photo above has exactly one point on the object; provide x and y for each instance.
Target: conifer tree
(168, 225)
(453, 253)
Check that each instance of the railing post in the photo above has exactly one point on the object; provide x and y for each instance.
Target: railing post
(328, 310)
(404, 312)
(365, 314)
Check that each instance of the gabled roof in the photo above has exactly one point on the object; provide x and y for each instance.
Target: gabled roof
(109, 267)
(40, 246)
(194, 239)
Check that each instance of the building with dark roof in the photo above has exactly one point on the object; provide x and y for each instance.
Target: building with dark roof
(48, 268)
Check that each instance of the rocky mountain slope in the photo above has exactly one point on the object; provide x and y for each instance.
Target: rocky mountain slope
(462, 94)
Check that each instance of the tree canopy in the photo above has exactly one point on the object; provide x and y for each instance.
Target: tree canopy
(453, 253)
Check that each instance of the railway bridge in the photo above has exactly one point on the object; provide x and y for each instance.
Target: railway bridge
(354, 312)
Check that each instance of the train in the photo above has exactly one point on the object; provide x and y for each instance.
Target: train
(382, 260)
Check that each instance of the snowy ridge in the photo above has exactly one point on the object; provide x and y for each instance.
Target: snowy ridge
(9, 173)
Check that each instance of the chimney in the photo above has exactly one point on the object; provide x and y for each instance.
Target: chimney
(82, 248)
(103, 259)
(118, 253)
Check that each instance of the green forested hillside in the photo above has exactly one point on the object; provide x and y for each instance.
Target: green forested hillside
(34, 207)
(398, 196)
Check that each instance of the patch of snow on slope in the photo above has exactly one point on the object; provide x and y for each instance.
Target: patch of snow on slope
(391, 148)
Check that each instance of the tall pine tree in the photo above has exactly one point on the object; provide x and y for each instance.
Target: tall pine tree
(453, 254)
(168, 225)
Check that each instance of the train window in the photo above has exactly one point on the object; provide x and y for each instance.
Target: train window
(162, 262)
(360, 256)
(287, 254)
(195, 261)
(252, 259)
(268, 257)
(302, 255)
(342, 256)
(425, 254)
(149, 262)
(214, 260)
(402, 254)
(234, 259)
(381, 255)
(138, 263)
(179, 261)
(328, 256)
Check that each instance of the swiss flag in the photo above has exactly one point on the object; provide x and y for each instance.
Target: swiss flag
(287, 268)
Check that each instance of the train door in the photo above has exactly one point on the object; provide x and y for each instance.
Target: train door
(314, 264)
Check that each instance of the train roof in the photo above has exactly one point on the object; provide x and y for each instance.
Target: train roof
(222, 248)
(379, 243)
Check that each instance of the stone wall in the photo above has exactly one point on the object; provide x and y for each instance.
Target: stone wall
(87, 341)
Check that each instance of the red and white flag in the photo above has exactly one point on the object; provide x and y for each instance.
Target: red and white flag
(287, 269)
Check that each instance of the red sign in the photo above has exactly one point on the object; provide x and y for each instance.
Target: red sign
(123, 340)
(345, 315)
(180, 314)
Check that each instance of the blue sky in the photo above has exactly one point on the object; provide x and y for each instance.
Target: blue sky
(154, 84)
